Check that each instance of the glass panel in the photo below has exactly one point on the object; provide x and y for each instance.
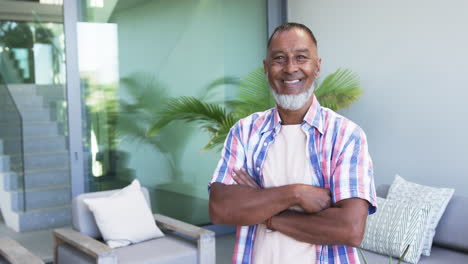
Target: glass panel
(11, 138)
(133, 56)
(35, 138)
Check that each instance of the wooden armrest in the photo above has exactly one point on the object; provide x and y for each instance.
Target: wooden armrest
(17, 254)
(84, 243)
(205, 238)
(182, 227)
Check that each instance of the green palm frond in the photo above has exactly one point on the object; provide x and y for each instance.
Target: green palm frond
(218, 137)
(212, 117)
(144, 92)
(226, 80)
(339, 89)
(253, 94)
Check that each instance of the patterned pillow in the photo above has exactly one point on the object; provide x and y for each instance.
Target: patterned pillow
(438, 198)
(394, 226)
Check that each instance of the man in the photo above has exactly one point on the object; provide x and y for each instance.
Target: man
(296, 179)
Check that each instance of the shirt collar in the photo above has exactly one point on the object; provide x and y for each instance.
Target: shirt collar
(313, 117)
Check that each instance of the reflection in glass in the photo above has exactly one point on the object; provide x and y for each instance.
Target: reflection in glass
(134, 55)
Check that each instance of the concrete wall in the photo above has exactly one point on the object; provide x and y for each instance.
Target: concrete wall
(412, 58)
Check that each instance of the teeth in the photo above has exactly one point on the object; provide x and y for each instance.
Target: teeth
(291, 82)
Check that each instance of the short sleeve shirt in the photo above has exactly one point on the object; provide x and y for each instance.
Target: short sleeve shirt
(337, 150)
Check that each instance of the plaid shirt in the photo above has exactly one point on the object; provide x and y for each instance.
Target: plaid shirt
(337, 149)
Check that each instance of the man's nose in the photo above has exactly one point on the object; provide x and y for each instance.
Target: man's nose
(290, 66)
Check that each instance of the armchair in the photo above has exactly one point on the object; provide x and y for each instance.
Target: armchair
(183, 243)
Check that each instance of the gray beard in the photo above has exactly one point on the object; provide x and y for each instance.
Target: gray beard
(293, 101)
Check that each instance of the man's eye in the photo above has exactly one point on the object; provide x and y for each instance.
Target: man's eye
(301, 57)
(279, 58)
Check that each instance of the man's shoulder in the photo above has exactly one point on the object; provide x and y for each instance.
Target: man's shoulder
(256, 118)
(334, 122)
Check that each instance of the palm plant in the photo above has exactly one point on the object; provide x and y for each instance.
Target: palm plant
(145, 97)
(338, 90)
(125, 117)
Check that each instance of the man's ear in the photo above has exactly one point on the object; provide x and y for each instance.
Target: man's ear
(265, 67)
(318, 68)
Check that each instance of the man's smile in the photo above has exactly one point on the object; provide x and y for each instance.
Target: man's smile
(292, 84)
(292, 81)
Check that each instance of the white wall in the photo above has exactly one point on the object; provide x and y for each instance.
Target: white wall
(412, 57)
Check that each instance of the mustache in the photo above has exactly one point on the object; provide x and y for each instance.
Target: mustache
(292, 76)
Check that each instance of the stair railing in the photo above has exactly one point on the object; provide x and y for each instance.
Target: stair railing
(11, 108)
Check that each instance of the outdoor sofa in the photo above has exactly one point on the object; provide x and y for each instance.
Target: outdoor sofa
(451, 239)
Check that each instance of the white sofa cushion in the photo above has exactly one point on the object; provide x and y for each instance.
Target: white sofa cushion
(394, 226)
(438, 199)
(124, 217)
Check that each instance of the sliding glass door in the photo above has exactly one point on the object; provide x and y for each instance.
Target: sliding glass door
(135, 55)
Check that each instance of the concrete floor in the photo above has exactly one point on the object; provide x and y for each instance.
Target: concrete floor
(37, 242)
(40, 243)
(224, 248)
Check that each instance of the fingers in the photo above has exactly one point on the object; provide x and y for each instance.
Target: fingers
(241, 177)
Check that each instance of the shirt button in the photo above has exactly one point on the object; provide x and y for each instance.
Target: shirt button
(258, 168)
(265, 144)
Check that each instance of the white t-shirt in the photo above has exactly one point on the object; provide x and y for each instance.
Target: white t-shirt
(286, 163)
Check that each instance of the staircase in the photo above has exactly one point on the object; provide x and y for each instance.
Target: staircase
(11, 71)
(45, 200)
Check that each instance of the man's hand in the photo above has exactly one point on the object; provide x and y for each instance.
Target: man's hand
(312, 199)
(342, 224)
(241, 177)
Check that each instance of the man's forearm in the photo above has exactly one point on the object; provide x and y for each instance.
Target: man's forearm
(343, 224)
(243, 205)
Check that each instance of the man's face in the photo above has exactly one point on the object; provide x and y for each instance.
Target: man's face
(292, 63)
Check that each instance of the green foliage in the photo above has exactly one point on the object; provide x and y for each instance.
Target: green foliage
(340, 89)
(16, 34)
(253, 95)
(211, 117)
(143, 99)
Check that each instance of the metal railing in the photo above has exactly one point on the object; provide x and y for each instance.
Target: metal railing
(12, 121)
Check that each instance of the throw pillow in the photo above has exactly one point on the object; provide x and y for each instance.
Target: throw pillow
(438, 198)
(124, 217)
(394, 226)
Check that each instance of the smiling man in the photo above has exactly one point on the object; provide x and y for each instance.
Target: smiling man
(297, 179)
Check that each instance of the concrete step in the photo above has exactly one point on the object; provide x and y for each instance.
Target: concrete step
(22, 89)
(24, 102)
(37, 161)
(26, 115)
(57, 91)
(10, 180)
(37, 198)
(35, 144)
(36, 179)
(45, 218)
(44, 129)
(5, 163)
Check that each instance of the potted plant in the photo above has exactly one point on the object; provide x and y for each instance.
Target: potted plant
(338, 90)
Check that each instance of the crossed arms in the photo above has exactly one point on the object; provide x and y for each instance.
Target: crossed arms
(323, 223)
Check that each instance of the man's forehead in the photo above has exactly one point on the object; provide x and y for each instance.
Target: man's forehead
(293, 40)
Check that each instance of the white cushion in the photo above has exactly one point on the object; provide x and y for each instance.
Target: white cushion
(394, 226)
(124, 217)
(438, 199)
